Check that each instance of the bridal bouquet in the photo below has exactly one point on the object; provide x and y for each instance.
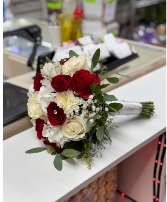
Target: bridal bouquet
(70, 112)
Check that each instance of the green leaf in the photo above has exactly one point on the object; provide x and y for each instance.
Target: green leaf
(104, 86)
(93, 87)
(71, 153)
(116, 106)
(104, 114)
(72, 53)
(100, 98)
(58, 163)
(100, 133)
(51, 150)
(48, 60)
(110, 98)
(113, 80)
(124, 75)
(98, 91)
(35, 150)
(111, 109)
(63, 157)
(95, 58)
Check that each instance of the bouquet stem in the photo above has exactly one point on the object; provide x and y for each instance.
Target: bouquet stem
(147, 109)
(144, 109)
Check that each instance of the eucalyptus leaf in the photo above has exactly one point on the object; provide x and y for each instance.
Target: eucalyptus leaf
(110, 98)
(116, 106)
(58, 163)
(72, 53)
(100, 133)
(35, 150)
(113, 80)
(96, 57)
(71, 153)
(63, 157)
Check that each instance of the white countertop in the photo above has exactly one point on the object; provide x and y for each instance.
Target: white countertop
(33, 178)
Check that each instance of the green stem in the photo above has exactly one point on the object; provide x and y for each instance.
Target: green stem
(147, 109)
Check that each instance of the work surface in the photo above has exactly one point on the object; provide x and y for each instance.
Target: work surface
(32, 178)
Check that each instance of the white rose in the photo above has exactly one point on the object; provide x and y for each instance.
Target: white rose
(51, 70)
(74, 64)
(74, 128)
(34, 107)
(67, 101)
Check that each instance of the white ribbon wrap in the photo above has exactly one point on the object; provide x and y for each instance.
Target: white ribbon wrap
(129, 108)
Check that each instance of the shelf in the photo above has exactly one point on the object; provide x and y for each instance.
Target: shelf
(145, 3)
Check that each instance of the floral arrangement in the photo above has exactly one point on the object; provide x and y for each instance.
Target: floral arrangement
(70, 112)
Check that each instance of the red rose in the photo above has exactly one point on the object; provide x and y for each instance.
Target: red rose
(61, 83)
(56, 115)
(57, 148)
(37, 81)
(39, 127)
(81, 81)
(62, 62)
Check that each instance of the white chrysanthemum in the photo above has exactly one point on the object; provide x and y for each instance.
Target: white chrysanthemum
(34, 107)
(67, 101)
(54, 135)
(51, 69)
(74, 64)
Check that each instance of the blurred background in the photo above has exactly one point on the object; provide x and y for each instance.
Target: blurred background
(139, 20)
